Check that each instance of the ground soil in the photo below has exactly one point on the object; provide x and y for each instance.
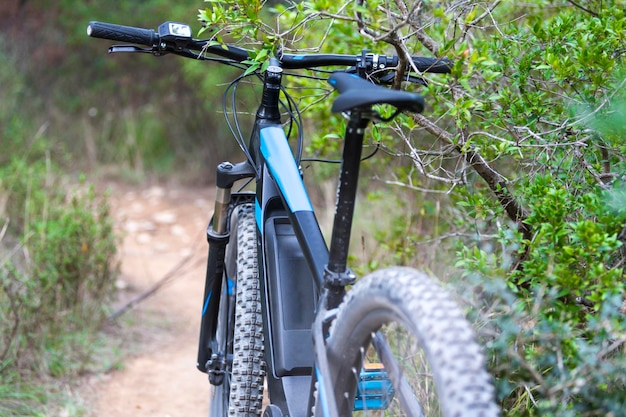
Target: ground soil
(163, 231)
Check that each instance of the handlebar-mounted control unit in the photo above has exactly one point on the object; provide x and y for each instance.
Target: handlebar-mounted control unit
(178, 34)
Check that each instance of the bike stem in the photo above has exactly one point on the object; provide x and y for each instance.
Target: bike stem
(268, 110)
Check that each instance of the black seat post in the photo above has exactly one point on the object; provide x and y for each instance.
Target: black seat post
(337, 273)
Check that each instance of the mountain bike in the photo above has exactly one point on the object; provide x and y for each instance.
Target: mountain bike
(283, 314)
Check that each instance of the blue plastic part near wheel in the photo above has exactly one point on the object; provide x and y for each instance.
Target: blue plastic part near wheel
(374, 390)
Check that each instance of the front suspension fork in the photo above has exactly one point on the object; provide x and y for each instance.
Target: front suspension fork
(218, 235)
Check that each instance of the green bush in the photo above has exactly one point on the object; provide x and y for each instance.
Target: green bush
(545, 364)
(57, 273)
(526, 135)
(556, 346)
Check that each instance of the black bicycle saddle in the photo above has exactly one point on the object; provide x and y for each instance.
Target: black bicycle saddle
(355, 92)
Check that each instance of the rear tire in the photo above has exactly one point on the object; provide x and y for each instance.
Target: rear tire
(429, 353)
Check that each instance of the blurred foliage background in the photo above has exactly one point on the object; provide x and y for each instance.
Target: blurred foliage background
(127, 115)
(72, 116)
(511, 186)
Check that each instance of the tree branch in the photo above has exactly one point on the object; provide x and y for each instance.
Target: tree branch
(583, 8)
(496, 182)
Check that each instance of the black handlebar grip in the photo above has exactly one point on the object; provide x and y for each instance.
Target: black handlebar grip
(121, 33)
(434, 65)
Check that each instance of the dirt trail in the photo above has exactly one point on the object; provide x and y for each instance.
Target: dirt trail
(162, 226)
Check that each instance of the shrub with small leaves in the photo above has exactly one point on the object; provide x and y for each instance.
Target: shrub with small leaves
(58, 269)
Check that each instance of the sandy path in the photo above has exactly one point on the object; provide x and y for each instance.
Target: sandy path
(162, 226)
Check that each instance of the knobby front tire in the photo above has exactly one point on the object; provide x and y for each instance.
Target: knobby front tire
(402, 321)
(246, 391)
(239, 330)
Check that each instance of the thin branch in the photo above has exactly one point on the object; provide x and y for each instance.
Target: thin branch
(475, 236)
(420, 189)
(486, 13)
(10, 335)
(420, 166)
(4, 230)
(165, 279)
(428, 42)
(583, 8)
(497, 183)
(604, 103)
(599, 180)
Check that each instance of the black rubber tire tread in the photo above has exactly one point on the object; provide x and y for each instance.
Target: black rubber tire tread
(248, 368)
(420, 304)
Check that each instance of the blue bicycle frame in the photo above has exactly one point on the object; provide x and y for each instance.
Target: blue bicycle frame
(281, 179)
(293, 252)
(300, 277)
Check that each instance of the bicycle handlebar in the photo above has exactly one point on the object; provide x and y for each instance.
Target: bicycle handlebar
(121, 33)
(423, 64)
(152, 39)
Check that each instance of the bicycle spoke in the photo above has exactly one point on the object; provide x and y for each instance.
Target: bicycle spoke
(408, 400)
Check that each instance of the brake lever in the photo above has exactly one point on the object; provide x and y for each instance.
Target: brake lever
(133, 48)
(388, 79)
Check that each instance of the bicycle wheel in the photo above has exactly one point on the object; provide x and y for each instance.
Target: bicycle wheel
(239, 331)
(399, 346)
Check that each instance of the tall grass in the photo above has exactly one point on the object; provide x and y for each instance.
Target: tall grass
(57, 274)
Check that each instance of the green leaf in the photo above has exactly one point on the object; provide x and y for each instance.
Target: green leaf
(252, 68)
